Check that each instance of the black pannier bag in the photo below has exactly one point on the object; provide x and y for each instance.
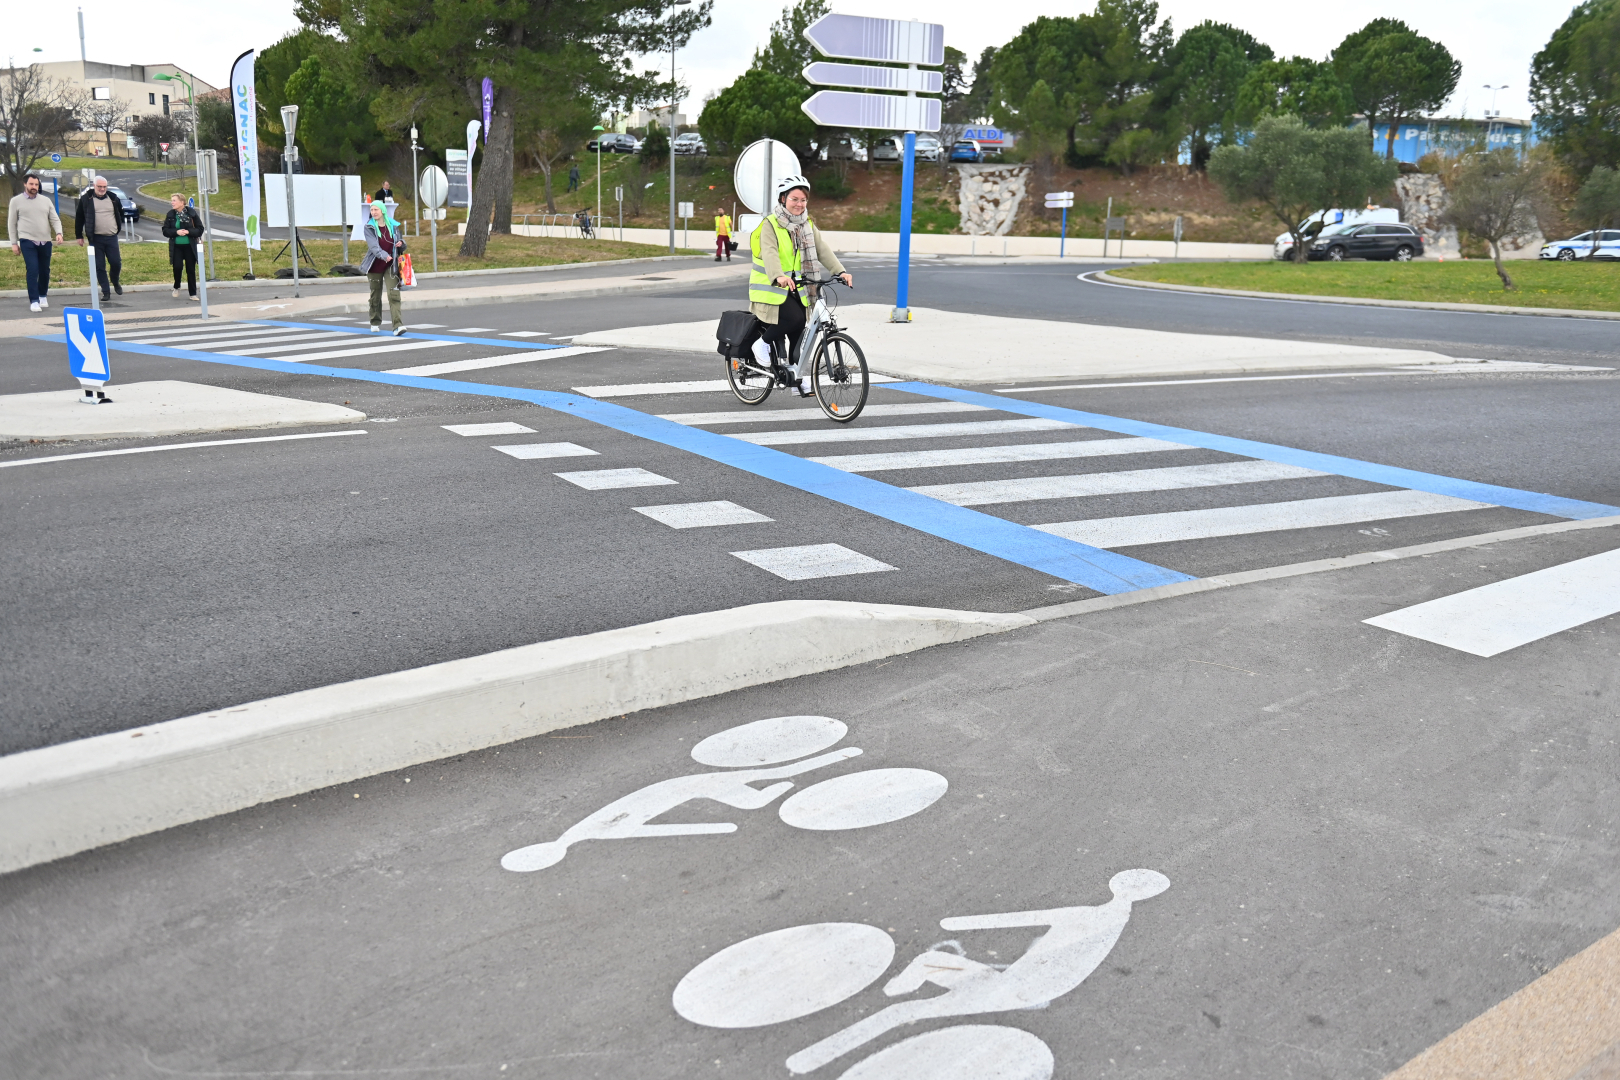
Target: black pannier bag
(737, 333)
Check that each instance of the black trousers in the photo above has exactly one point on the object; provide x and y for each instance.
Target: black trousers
(107, 259)
(185, 255)
(790, 319)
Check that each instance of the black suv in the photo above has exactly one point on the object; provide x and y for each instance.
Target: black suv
(615, 143)
(1377, 241)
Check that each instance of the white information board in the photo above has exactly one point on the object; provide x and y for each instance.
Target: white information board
(320, 200)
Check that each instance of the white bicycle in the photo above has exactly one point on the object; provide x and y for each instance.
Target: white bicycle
(837, 366)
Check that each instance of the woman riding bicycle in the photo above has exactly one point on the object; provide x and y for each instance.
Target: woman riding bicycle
(787, 242)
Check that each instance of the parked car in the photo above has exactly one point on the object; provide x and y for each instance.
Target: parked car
(615, 143)
(689, 142)
(1579, 247)
(928, 148)
(1377, 241)
(1283, 246)
(967, 150)
(892, 148)
(841, 149)
(132, 209)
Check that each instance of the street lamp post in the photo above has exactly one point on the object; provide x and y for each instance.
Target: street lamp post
(674, 93)
(1492, 116)
(289, 124)
(416, 184)
(207, 268)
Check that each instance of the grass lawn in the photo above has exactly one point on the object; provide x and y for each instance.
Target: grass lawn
(1588, 286)
(149, 262)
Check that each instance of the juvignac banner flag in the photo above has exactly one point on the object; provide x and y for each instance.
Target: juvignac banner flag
(244, 108)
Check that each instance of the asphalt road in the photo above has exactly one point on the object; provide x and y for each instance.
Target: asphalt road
(1368, 840)
(195, 579)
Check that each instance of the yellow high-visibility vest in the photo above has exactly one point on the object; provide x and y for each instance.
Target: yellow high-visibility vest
(761, 289)
(722, 225)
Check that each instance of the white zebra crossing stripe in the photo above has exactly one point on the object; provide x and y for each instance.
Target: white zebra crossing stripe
(338, 353)
(531, 451)
(1265, 517)
(1495, 618)
(219, 333)
(607, 479)
(526, 333)
(984, 455)
(496, 361)
(903, 431)
(504, 427)
(987, 492)
(702, 386)
(812, 561)
(274, 345)
(701, 515)
(139, 335)
(772, 416)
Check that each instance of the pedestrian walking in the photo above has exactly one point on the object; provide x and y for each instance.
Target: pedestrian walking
(30, 224)
(385, 242)
(573, 178)
(385, 193)
(184, 229)
(722, 236)
(97, 222)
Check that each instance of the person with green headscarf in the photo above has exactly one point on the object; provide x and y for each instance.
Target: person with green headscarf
(385, 242)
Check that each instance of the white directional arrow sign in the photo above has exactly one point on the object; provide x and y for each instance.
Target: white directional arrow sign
(890, 41)
(875, 78)
(883, 112)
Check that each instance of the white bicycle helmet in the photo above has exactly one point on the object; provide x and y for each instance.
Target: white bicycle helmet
(788, 183)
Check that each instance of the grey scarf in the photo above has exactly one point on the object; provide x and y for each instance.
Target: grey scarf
(803, 236)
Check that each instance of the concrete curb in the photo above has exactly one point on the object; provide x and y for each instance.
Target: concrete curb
(1424, 305)
(59, 800)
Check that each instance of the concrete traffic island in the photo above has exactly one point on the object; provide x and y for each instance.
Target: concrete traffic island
(151, 409)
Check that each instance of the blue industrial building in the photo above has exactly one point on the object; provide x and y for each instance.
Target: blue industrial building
(1419, 137)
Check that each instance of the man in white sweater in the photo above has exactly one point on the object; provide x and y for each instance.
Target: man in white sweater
(30, 225)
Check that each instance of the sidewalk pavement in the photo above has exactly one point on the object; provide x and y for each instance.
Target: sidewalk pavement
(953, 347)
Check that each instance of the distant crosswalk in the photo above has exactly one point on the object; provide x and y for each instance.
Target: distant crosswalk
(311, 342)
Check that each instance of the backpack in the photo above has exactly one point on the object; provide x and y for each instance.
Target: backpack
(737, 332)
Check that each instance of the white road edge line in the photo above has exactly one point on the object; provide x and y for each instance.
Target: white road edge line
(177, 446)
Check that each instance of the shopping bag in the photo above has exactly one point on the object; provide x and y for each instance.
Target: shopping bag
(407, 276)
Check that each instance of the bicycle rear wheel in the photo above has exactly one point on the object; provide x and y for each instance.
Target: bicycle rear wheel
(839, 378)
(751, 387)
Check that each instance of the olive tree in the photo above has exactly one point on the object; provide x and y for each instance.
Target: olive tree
(1492, 196)
(1297, 171)
(1597, 204)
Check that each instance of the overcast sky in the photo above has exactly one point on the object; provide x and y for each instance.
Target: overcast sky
(1494, 39)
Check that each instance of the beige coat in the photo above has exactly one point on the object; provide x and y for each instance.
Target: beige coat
(770, 256)
(35, 219)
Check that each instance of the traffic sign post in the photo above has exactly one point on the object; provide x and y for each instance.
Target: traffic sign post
(883, 41)
(87, 352)
(1178, 236)
(437, 185)
(1061, 200)
(684, 211)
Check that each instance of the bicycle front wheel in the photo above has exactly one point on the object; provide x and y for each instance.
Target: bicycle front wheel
(839, 378)
(750, 386)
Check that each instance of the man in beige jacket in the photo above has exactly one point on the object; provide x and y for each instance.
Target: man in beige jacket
(30, 225)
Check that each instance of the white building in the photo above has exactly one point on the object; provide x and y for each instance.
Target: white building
(132, 84)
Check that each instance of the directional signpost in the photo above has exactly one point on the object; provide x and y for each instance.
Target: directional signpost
(87, 353)
(1061, 200)
(882, 41)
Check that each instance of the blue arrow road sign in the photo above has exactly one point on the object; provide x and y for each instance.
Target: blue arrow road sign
(87, 346)
(56, 159)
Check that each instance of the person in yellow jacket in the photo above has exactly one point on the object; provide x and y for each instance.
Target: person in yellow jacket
(722, 236)
(787, 241)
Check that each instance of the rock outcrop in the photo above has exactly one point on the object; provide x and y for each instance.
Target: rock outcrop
(990, 197)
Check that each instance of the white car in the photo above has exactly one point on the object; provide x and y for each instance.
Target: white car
(1579, 247)
(690, 142)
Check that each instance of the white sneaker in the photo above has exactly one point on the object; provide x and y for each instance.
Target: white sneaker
(375, 328)
(805, 389)
(762, 353)
(44, 301)
(34, 306)
(175, 294)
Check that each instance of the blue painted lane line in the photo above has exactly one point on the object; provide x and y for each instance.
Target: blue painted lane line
(460, 339)
(1513, 498)
(1068, 560)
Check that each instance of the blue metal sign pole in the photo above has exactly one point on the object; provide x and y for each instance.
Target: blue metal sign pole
(902, 309)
